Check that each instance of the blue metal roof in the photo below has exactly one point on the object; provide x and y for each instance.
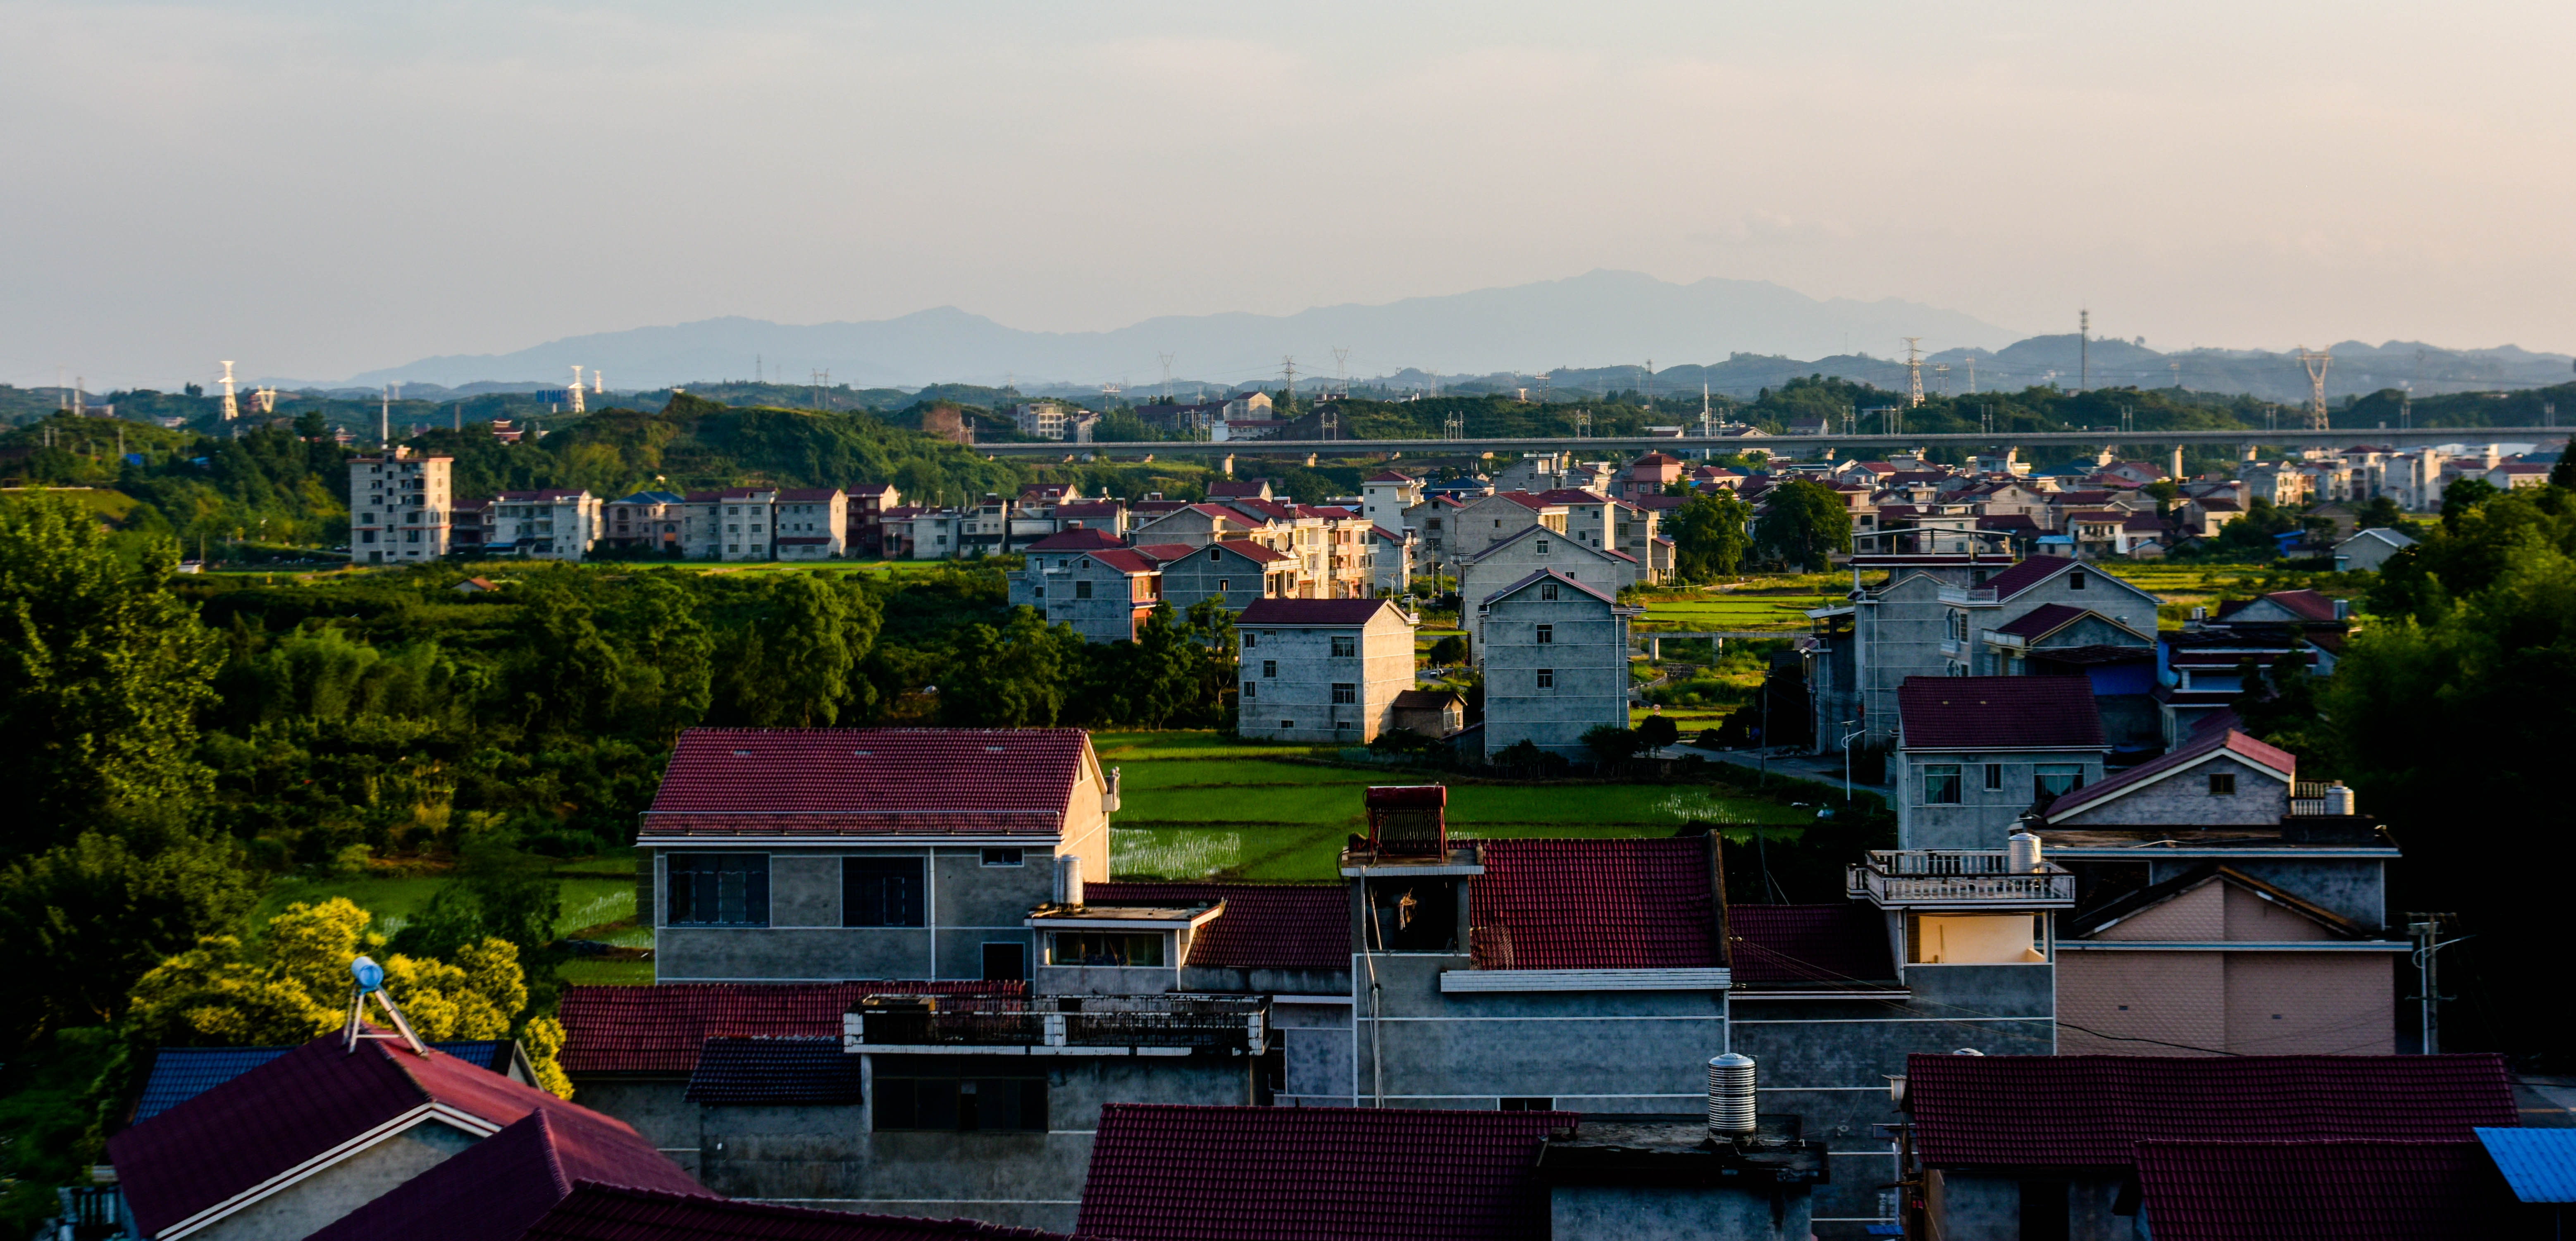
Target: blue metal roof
(2540, 1164)
(182, 1073)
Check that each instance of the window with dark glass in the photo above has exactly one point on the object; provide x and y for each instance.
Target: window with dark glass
(1082, 590)
(2075, 580)
(1345, 646)
(1005, 857)
(912, 1094)
(1994, 775)
(1546, 635)
(881, 891)
(1270, 667)
(1006, 962)
(2056, 779)
(2222, 784)
(1547, 678)
(1105, 948)
(1527, 1104)
(1547, 592)
(1345, 693)
(1941, 784)
(718, 889)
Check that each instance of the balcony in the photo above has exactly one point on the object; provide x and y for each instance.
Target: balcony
(1956, 879)
(1133, 1025)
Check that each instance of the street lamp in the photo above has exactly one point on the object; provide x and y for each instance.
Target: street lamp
(1847, 757)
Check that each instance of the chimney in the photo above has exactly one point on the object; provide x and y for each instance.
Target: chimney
(1730, 1096)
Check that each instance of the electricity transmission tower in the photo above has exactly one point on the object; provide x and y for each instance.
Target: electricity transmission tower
(1288, 368)
(1342, 370)
(1913, 372)
(1167, 377)
(1583, 424)
(2083, 350)
(2315, 364)
(1941, 376)
(1453, 426)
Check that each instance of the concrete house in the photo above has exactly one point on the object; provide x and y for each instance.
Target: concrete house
(401, 508)
(2013, 1147)
(1196, 525)
(745, 524)
(1086, 579)
(1430, 712)
(1975, 754)
(811, 523)
(2369, 549)
(1322, 669)
(1538, 549)
(1554, 651)
(554, 524)
(1483, 522)
(1234, 572)
(1977, 609)
(1386, 495)
(1892, 628)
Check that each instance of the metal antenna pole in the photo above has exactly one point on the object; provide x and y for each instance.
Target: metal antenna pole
(2426, 929)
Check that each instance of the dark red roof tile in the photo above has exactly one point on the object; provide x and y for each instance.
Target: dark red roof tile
(1594, 904)
(1078, 539)
(1800, 946)
(736, 1069)
(661, 1029)
(1998, 713)
(1123, 560)
(2027, 574)
(1265, 926)
(293, 1109)
(2041, 621)
(734, 781)
(614, 1213)
(1291, 612)
(2350, 1191)
(1252, 551)
(494, 1189)
(1171, 1173)
(2090, 1111)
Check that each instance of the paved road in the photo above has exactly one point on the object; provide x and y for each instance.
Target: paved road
(1826, 769)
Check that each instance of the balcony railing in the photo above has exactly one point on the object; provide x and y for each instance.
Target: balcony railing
(1955, 877)
(1196, 1022)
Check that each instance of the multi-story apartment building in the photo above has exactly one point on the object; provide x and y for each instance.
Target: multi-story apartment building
(1975, 754)
(1322, 669)
(554, 524)
(1044, 419)
(862, 526)
(400, 508)
(810, 523)
(654, 521)
(1554, 651)
(1089, 580)
(1504, 564)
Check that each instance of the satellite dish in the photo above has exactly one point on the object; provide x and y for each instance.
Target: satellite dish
(370, 976)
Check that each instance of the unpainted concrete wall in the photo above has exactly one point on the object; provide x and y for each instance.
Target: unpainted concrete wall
(1601, 1213)
(305, 1207)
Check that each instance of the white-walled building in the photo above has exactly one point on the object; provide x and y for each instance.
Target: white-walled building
(555, 524)
(400, 508)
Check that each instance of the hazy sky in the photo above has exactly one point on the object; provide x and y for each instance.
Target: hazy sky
(319, 188)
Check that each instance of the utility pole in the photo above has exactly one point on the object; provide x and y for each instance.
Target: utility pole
(2083, 350)
(385, 420)
(2426, 930)
(2315, 364)
(232, 409)
(572, 395)
(1941, 376)
(1913, 372)
(1167, 376)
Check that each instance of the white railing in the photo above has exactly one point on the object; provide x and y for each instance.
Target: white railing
(1947, 877)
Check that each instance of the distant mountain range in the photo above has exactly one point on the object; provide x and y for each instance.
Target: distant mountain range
(1581, 332)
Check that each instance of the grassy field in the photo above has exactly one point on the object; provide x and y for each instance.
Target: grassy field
(597, 893)
(1194, 806)
(1776, 603)
(2183, 587)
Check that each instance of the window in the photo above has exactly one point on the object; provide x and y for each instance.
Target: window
(1082, 590)
(1005, 857)
(881, 891)
(1941, 784)
(1542, 547)
(1105, 948)
(1536, 1104)
(1215, 554)
(952, 1102)
(1287, 725)
(1547, 678)
(2223, 784)
(718, 889)
(1220, 586)
(1252, 689)
(1251, 640)
(1345, 693)
(1270, 667)
(1547, 635)
(1547, 592)
(1994, 775)
(2056, 779)
(2074, 581)
(1345, 646)
(1006, 962)
(2043, 1211)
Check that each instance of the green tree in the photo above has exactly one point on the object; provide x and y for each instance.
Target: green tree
(293, 984)
(1803, 524)
(86, 919)
(1449, 652)
(102, 671)
(2380, 513)
(1710, 536)
(1657, 731)
(1611, 745)
(1013, 677)
(567, 675)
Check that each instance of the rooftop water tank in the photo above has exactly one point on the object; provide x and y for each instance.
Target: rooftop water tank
(1730, 1095)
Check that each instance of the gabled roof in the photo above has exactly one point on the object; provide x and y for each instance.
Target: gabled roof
(2048, 618)
(810, 495)
(736, 1069)
(2031, 573)
(594, 1212)
(1427, 700)
(1571, 496)
(1594, 904)
(2202, 746)
(2356, 1190)
(1232, 489)
(2380, 534)
(1168, 552)
(1998, 713)
(662, 1029)
(1265, 926)
(1802, 946)
(651, 497)
(1123, 560)
(2091, 1111)
(2094, 921)
(1172, 1173)
(2306, 605)
(1251, 551)
(1078, 539)
(303, 1111)
(1390, 476)
(494, 1189)
(1541, 574)
(1542, 532)
(182, 1073)
(869, 781)
(2539, 1165)
(1290, 613)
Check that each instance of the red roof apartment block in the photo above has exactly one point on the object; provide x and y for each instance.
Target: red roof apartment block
(315, 1107)
(1172, 1173)
(2347, 1190)
(660, 1030)
(1999, 713)
(2093, 1111)
(1304, 927)
(613, 1213)
(1594, 904)
(879, 782)
(494, 1189)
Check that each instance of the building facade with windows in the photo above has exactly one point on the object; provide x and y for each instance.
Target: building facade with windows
(1976, 754)
(542, 525)
(1321, 669)
(400, 508)
(1554, 651)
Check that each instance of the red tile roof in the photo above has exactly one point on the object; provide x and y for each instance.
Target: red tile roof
(1123, 560)
(1570, 496)
(1391, 476)
(1256, 506)
(1086, 508)
(1171, 1173)
(1292, 612)
(1801, 946)
(661, 1029)
(868, 781)
(1593, 904)
(2027, 574)
(1167, 552)
(2201, 744)
(1078, 539)
(2041, 621)
(1266, 926)
(614, 1213)
(2090, 1111)
(1252, 551)
(293, 1110)
(1998, 713)
(2350, 1191)
(809, 495)
(2304, 604)
(1230, 490)
(494, 1189)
